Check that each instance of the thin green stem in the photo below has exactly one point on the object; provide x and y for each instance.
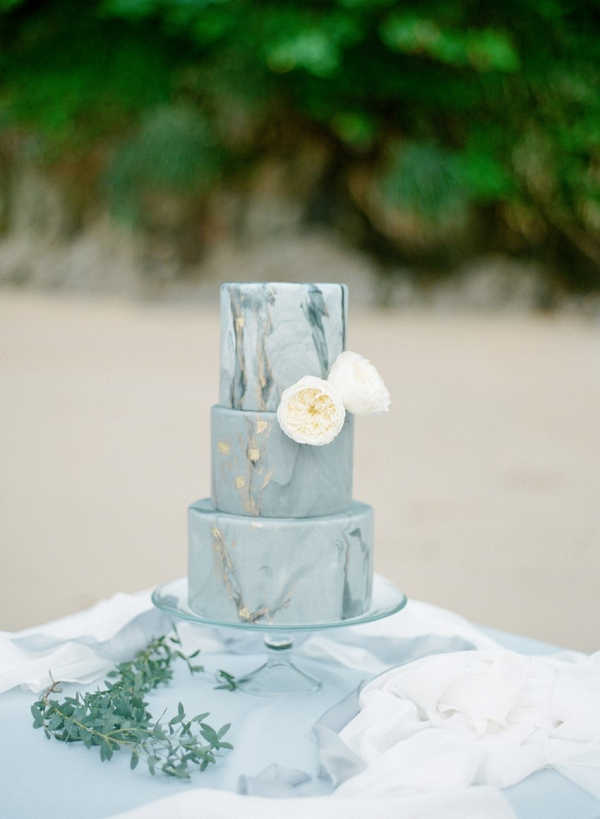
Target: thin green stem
(172, 746)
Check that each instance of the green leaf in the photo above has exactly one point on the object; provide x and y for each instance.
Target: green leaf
(209, 733)
(38, 719)
(117, 717)
(106, 751)
(229, 681)
(223, 730)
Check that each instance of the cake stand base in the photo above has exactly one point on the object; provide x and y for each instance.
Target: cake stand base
(278, 676)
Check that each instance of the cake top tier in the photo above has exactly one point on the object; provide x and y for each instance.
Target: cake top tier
(273, 334)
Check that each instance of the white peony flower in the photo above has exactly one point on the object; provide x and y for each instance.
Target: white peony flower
(359, 384)
(311, 411)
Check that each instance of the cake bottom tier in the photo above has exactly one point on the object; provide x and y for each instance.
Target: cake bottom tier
(280, 570)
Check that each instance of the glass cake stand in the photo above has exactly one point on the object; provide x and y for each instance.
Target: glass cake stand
(278, 676)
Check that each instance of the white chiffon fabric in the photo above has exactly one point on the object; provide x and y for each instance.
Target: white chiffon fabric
(81, 647)
(438, 736)
(84, 646)
(486, 717)
(477, 803)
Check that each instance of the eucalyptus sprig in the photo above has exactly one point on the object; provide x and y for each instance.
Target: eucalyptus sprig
(117, 718)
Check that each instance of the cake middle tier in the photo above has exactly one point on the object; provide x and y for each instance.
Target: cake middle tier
(258, 470)
(287, 570)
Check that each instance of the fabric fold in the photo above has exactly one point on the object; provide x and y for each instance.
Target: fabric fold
(85, 646)
(434, 737)
(473, 804)
(476, 718)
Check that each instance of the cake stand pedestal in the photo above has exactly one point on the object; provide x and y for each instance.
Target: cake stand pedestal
(278, 676)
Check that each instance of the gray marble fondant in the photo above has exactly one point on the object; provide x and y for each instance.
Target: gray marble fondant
(258, 470)
(280, 570)
(273, 334)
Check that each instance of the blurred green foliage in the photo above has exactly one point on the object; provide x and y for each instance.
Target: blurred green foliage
(172, 151)
(448, 106)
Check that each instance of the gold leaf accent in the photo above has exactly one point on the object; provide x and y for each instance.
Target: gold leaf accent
(239, 323)
(240, 482)
(261, 426)
(244, 614)
(254, 455)
(223, 447)
(224, 567)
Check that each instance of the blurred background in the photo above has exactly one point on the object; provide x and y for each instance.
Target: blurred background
(441, 158)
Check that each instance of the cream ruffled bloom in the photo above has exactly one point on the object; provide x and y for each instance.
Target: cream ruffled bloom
(311, 411)
(359, 384)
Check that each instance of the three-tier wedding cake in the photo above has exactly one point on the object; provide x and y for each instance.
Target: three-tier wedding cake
(281, 540)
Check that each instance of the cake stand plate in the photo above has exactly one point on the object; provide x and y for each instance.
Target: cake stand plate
(278, 676)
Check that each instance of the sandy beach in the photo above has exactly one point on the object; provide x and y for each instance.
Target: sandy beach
(485, 475)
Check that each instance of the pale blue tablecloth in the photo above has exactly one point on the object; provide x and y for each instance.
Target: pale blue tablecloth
(51, 780)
